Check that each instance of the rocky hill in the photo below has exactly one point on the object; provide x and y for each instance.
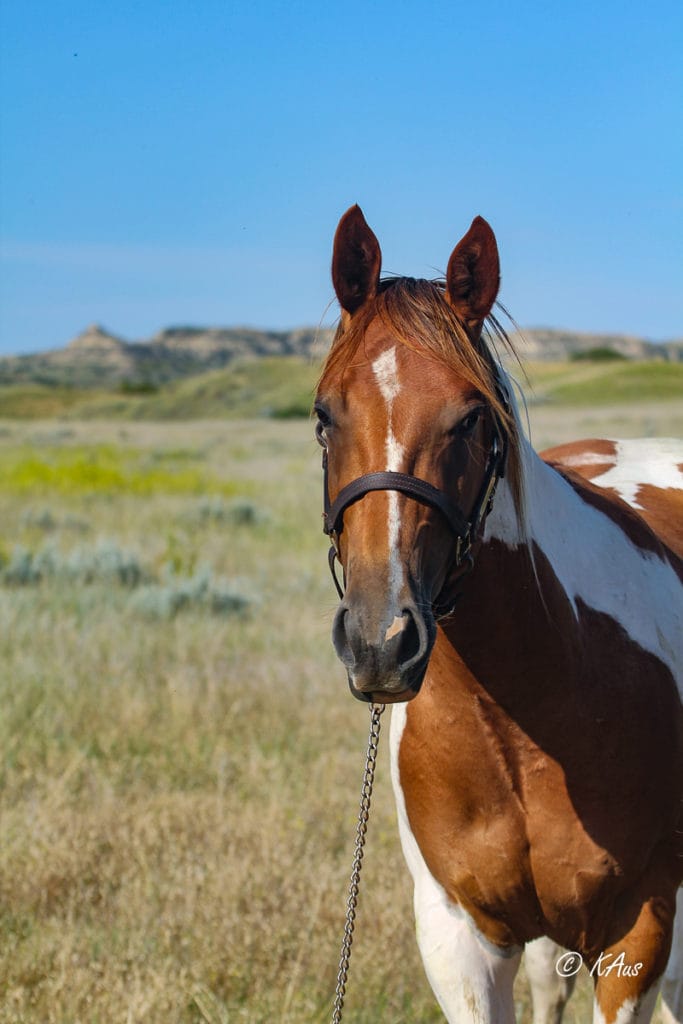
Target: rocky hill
(542, 344)
(98, 359)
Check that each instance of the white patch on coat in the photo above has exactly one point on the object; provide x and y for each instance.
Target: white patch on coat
(631, 1011)
(641, 462)
(471, 978)
(587, 459)
(385, 371)
(594, 560)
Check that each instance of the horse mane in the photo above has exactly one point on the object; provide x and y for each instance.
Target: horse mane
(420, 317)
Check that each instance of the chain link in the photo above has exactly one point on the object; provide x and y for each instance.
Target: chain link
(376, 711)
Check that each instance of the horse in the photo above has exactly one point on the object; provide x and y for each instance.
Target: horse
(523, 614)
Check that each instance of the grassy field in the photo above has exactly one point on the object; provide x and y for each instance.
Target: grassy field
(277, 387)
(604, 383)
(181, 759)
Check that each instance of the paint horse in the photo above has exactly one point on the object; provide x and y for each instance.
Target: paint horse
(524, 613)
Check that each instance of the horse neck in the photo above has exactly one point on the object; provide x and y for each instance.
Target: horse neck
(544, 577)
(513, 617)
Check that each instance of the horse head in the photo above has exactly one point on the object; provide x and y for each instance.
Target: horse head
(413, 425)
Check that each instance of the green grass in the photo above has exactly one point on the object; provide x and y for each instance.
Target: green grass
(606, 383)
(269, 387)
(279, 387)
(39, 401)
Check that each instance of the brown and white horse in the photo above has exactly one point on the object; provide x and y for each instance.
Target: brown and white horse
(524, 613)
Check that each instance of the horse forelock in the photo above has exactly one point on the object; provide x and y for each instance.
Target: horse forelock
(418, 315)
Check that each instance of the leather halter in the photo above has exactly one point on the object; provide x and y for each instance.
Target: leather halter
(466, 529)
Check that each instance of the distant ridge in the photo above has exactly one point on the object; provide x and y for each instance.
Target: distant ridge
(541, 344)
(96, 358)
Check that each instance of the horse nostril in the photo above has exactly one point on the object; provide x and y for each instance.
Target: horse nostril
(410, 641)
(340, 637)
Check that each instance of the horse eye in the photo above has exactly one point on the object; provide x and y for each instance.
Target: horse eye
(466, 425)
(323, 424)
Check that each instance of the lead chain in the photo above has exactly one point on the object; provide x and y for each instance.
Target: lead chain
(376, 711)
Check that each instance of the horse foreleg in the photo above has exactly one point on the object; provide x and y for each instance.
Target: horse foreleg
(672, 983)
(627, 974)
(550, 987)
(471, 978)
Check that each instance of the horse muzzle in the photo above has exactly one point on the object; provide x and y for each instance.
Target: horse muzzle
(385, 656)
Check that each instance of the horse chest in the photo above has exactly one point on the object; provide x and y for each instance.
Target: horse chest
(521, 867)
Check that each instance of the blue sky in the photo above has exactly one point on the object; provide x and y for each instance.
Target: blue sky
(186, 163)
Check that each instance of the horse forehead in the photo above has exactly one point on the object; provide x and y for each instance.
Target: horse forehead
(383, 360)
(397, 368)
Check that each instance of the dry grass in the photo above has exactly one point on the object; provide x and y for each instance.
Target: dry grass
(179, 795)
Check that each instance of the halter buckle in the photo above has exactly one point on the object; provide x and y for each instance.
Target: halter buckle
(463, 547)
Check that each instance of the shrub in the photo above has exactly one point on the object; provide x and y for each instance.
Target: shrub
(21, 569)
(601, 354)
(138, 387)
(197, 592)
(40, 519)
(239, 512)
(105, 563)
(44, 519)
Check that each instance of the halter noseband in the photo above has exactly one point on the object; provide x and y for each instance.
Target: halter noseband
(466, 529)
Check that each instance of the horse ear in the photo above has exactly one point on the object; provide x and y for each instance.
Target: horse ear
(473, 275)
(356, 261)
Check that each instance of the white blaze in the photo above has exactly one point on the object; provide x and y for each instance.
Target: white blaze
(386, 375)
